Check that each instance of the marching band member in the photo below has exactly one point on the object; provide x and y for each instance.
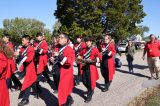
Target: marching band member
(25, 59)
(55, 67)
(78, 49)
(10, 74)
(41, 55)
(89, 57)
(107, 64)
(64, 63)
(5, 54)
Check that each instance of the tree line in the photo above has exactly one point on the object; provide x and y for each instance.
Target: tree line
(120, 18)
(20, 26)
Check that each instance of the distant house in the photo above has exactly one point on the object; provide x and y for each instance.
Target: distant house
(136, 38)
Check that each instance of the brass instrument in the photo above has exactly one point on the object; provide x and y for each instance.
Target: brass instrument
(81, 61)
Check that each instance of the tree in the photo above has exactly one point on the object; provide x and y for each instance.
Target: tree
(1, 32)
(79, 16)
(20, 26)
(94, 17)
(121, 20)
(56, 27)
(48, 35)
(143, 29)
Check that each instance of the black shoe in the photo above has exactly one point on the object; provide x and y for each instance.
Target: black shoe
(89, 96)
(70, 102)
(37, 92)
(157, 78)
(17, 88)
(151, 78)
(88, 99)
(104, 89)
(23, 102)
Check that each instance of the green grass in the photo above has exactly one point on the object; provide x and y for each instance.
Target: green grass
(154, 99)
(150, 97)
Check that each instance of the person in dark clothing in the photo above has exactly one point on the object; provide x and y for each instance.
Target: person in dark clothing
(117, 50)
(130, 51)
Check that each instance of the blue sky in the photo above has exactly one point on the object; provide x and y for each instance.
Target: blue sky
(152, 20)
(43, 10)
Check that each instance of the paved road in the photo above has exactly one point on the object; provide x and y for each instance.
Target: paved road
(123, 89)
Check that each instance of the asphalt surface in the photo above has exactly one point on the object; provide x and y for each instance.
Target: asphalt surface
(124, 88)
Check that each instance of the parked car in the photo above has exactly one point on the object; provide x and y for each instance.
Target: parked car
(122, 47)
(139, 44)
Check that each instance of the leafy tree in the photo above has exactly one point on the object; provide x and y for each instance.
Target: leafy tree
(94, 17)
(143, 29)
(122, 17)
(20, 26)
(79, 16)
(1, 32)
(56, 27)
(47, 34)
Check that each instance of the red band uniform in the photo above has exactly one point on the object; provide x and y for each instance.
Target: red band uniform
(4, 93)
(107, 64)
(41, 55)
(27, 60)
(66, 74)
(90, 73)
(80, 47)
(11, 69)
(43, 58)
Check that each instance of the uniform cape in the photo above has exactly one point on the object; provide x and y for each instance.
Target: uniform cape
(29, 68)
(4, 93)
(66, 75)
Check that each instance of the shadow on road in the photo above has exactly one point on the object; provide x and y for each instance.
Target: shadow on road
(48, 97)
(142, 67)
(52, 85)
(136, 74)
(80, 92)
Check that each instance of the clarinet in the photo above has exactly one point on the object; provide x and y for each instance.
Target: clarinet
(56, 65)
(37, 55)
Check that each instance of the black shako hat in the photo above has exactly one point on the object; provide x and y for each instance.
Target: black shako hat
(88, 38)
(39, 34)
(7, 35)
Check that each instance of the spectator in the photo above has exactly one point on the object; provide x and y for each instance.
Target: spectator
(130, 51)
(153, 53)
